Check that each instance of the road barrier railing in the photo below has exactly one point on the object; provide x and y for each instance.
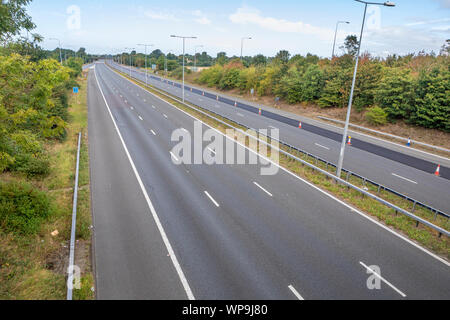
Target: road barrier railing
(345, 182)
(70, 270)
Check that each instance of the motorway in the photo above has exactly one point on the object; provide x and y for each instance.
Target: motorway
(403, 173)
(167, 231)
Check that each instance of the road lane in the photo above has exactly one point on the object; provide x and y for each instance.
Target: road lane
(433, 191)
(254, 245)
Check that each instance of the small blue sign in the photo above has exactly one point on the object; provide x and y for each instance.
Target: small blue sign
(75, 89)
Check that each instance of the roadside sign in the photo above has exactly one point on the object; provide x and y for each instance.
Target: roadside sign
(75, 89)
(154, 66)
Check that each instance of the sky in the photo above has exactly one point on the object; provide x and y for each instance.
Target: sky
(299, 26)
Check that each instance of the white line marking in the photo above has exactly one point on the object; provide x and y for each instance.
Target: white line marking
(184, 130)
(212, 150)
(398, 235)
(140, 118)
(319, 145)
(295, 292)
(384, 280)
(212, 199)
(132, 108)
(256, 184)
(240, 114)
(273, 127)
(404, 178)
(154, 133)
(166, 241)
(176, 159)
(165, 116)
(153, 107)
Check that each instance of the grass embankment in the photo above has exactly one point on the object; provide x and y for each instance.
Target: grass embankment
(34, 267)
(403, 224)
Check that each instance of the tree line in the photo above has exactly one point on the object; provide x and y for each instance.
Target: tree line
(414, 88)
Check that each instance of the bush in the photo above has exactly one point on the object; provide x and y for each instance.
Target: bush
(376, 116)
(22, 208)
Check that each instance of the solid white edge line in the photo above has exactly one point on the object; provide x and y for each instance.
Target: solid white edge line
(212, 199)
(154, 133)
(165, 116)
(384, 280)
(295, 292)
(409, 241)
(140, 118)
(256, 184)
(396, 175)
(166, 241)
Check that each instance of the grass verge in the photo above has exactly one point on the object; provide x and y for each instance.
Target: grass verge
(34, 267)
(421, 234)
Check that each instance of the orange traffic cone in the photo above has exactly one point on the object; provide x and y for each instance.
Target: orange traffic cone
(260, 111)
(349, 141)
(437, 170)
(203, 94)
(235, 104)
(300, 125)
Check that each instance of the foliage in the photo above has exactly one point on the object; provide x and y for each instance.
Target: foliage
(23, 208)
(413, 88)
(33, 108)
(13, 18)
(376, 116)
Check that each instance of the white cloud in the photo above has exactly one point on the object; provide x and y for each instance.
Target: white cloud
(201, 17)
(425, 22)
(161, 16)
(203, 20)
(246, 15)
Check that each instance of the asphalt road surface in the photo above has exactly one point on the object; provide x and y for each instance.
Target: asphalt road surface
(167, 231)
(403, 173)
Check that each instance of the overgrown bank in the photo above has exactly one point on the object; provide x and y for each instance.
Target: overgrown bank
(39, 122)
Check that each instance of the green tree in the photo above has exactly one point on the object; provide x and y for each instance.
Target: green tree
(432, 105)
(351, 44)
(395, 93)
(14, 18)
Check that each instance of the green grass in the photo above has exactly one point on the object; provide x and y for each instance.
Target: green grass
(401, 223)
(25, 261)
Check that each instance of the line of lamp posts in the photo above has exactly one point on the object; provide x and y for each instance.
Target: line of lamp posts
(344, 136)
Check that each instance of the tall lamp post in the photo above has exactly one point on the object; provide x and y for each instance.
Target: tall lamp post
(184, 47)
(195, 56)
(146, 71)
(131, 57)
(60, 54)
(349, 109)
(335, 34)
(242, 44)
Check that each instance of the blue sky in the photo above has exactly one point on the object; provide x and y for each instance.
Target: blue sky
(108, 26)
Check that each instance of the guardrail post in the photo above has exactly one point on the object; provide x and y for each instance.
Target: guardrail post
(414, 206)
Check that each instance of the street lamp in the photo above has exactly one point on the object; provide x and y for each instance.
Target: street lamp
(131, 56)
(349, 109)
(146, 45)
(60, 55)
(242, 43)
(195, 56)
(335, 34)
(184, 46)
